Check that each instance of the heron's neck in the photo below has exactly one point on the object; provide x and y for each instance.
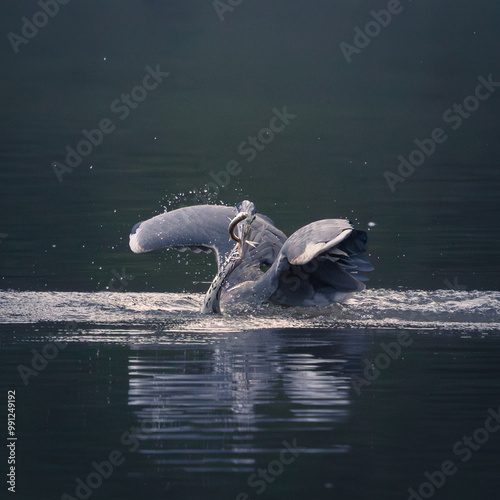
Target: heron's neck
(211, 303)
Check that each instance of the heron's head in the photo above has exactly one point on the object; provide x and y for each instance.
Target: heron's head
(240, 225)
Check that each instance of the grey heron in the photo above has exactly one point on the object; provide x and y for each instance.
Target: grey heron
(317, 265)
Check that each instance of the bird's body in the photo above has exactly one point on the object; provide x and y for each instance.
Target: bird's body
(212, 297)
(319, 264)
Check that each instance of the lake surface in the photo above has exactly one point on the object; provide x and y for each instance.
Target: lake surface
(353, 401)
(106, 351)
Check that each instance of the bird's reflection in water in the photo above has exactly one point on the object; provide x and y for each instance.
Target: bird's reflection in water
(222, 406)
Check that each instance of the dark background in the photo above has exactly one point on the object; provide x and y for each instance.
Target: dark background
(438, 229)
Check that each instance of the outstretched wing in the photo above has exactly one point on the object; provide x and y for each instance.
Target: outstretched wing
(200, 228)
(319, 264)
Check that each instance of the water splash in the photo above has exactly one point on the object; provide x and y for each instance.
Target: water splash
(167, 312)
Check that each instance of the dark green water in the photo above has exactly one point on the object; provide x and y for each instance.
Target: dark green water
(352, 122)
(212, 401)
(196, 416)
(369, 396)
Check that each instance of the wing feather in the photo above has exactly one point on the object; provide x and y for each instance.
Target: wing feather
(319, 264)
(204, 228)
